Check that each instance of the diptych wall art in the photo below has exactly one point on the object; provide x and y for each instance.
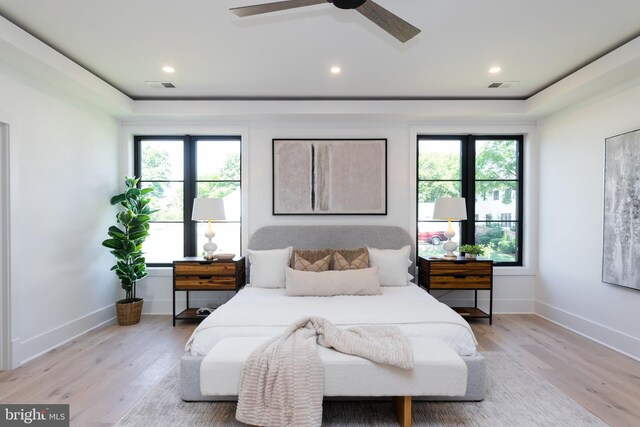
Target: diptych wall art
(621, 243)
(329, 176)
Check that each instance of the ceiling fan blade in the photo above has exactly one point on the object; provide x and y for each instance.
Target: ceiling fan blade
(273, 7)
(392, 24)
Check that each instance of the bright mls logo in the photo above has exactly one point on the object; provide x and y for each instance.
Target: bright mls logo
(34, 415)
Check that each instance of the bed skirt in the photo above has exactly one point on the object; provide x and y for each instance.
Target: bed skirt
(190, 381)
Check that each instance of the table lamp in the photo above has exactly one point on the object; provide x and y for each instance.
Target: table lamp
(450, 208)
(208, 210)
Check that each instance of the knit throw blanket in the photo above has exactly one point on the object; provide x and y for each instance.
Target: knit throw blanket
(282, 381)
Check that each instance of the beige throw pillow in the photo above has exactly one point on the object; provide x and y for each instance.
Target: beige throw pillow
(302, 264)
(365, 281)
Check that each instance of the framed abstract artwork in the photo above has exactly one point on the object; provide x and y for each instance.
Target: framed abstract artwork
(621, 233)
(329, 176)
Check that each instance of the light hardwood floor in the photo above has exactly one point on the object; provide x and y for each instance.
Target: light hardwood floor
(105, 372)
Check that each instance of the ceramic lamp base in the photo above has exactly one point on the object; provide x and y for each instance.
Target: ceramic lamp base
(210, 247)
(449, 246)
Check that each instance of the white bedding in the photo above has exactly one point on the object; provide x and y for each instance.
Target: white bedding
(267, 312)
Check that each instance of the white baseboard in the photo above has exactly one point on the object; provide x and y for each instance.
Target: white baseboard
(23, 351)
(615, 340)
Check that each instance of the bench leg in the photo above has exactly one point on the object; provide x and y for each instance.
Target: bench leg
(402, 407)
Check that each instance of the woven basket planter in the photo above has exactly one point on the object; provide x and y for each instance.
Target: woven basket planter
(128, 313)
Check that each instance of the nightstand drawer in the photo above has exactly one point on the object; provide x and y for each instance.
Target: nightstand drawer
(195, 282)
(196, 269)
(468, 268)
(461, 281)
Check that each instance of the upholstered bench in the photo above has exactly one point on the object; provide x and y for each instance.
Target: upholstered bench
(438, 371)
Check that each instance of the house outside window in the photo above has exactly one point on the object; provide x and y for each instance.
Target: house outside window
(181, 168)
(473, 167)
(505, 219)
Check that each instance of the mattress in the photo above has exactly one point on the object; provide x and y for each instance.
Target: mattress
(437, 371)
(260, 312)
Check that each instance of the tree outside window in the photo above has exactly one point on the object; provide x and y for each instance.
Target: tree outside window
(212, 169)
(473, 167)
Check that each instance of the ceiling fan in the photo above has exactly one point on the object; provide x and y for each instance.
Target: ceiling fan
(392, 24)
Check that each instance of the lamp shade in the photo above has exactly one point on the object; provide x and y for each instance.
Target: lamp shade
(207, 209)
(453, 208)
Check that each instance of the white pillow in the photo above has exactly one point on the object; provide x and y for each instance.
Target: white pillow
(364, 281)
(392, 264)
(267, 267)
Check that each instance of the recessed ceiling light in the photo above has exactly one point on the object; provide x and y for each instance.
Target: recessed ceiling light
(335, 69)
(168, 69)
(495, 70)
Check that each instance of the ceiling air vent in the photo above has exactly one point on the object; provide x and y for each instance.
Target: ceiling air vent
(160, 85)
(501, 85)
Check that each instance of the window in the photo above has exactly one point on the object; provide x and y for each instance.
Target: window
(505, 219)
(487, 171)
(181, 168)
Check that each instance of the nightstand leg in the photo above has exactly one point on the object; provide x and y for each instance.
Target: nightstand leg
(491, 305)
(174, 308)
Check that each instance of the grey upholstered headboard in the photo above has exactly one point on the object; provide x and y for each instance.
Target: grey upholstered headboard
(332, 236)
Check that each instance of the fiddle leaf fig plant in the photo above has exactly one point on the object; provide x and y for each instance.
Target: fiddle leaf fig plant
(126, 238)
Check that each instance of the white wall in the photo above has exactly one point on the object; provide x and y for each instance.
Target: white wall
(5, 323)
(514, 289)
(63, 169)
(570, 290)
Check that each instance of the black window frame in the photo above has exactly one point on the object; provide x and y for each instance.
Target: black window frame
(468, 187)
(190, 179)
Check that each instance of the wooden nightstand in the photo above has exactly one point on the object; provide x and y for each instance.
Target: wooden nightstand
(459, 274)
(198, 274)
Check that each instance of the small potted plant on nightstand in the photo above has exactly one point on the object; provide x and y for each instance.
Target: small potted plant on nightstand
(125, 241)
(471, 251)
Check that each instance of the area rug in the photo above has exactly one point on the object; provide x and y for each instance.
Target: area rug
(515, 397)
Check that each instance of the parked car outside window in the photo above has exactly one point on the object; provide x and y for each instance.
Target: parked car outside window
(433, 237)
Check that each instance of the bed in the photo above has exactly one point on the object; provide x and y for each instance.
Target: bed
(260, 312)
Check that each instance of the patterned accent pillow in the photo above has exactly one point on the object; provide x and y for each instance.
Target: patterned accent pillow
(302, 264)
(311, 255)
(340, 263)
(350, 255)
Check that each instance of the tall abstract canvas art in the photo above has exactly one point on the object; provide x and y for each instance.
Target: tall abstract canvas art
(621, 243)
(329, 177)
